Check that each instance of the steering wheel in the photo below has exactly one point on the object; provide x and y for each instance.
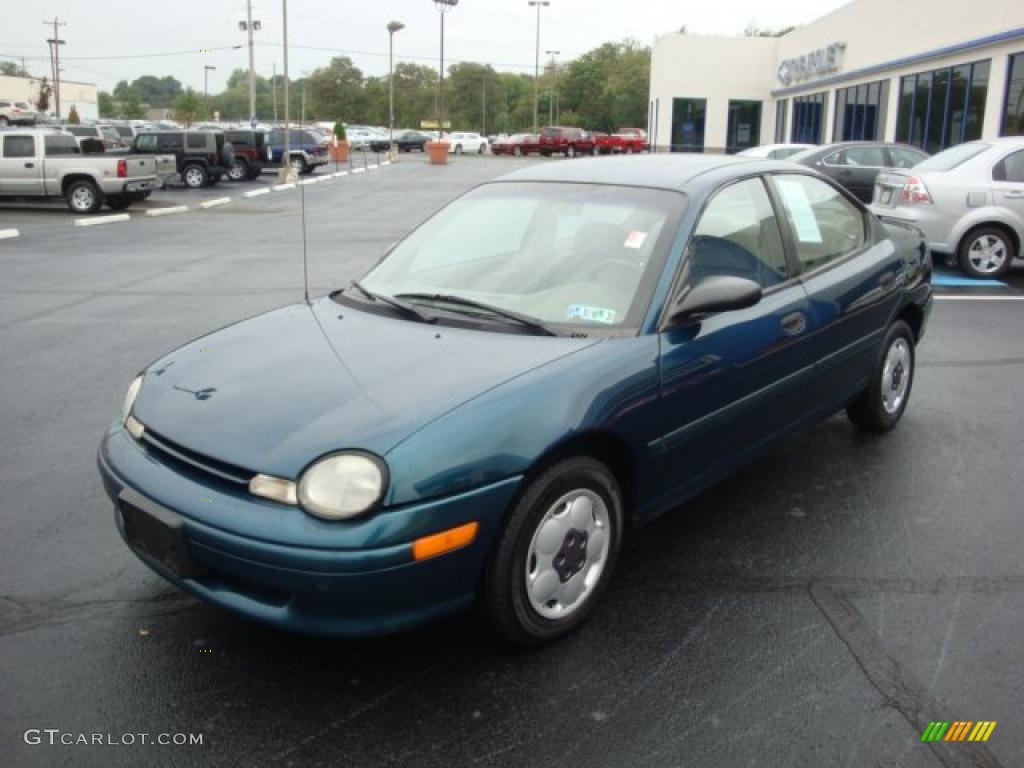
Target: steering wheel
(635, 269)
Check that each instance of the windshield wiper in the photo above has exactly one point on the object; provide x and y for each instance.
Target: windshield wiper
(460, 301)
(408, 309)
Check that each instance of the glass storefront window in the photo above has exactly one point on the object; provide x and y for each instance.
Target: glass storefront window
(860, 112)
(688, 124)
(942, 108)
(808, 118)
(780, 120)
(1013, 103)
(744, 128)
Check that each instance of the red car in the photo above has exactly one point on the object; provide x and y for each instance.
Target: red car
(558, 140)
(517, 144)
(626, 141)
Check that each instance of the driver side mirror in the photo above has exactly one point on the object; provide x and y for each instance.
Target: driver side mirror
(720, 293)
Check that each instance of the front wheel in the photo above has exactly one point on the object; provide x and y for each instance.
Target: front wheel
(879, 407)
(986, 252)
(195, 177)
(238, 171)
(556, 554)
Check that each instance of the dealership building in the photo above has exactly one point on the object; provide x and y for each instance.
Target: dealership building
(928, 73)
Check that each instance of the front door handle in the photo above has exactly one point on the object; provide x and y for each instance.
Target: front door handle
(1014, 195)
(30, 165)
(794, 323)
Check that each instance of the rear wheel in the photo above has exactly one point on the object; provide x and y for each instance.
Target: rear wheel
(83, 197)
(239, 170)
(556, 554)
(986, 252)
(880, 406)
(458, 149)
(195, 176)
(517, 151)
(298, 164)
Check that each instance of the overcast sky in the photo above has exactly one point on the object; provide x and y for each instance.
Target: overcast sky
(111, 40)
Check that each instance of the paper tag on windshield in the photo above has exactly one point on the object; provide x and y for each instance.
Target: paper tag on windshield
(635, 239)
(591, 314)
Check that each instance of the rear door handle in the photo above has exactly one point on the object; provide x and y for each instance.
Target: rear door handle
(794, 323)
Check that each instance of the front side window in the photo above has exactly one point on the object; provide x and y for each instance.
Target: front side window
(738, 236)
(825, 225)
(582, 254)
(19, 146)
(170, 142)
(196, 141)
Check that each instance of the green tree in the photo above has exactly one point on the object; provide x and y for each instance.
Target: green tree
(131, 106)
(106, 105)
(415, 89)
(11, 69)
(335, 92)
(188, 106)
(607, 87)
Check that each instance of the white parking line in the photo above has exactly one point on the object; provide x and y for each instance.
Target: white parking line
(256, 192)
(282, 187)
(167, 211)
(339, 174)
(943, 297)
(215, 202)
(7, 234)
(358, 170)
(93, 221)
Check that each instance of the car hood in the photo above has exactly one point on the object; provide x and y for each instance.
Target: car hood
(274, 392)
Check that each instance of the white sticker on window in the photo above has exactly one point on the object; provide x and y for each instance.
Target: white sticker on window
(635, 239)
(801, 213)
(591, 314)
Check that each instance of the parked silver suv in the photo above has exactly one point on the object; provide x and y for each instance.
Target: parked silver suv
(16, 112)
(968, 201)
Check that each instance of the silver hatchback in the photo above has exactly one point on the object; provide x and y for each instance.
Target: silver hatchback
(968, 200)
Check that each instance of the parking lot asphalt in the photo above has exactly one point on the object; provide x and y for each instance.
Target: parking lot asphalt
(819, 608)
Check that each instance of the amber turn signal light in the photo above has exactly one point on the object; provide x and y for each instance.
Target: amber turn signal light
(439, 543)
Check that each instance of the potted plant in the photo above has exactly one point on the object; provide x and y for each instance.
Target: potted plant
(437, 150)
(339, 150)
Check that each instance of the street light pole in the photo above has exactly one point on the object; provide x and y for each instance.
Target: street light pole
(393, 26)
(443, 6)
(286, 158)
(251, 26)
(536, 62)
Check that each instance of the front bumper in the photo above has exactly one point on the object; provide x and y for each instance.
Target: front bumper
(281, 571)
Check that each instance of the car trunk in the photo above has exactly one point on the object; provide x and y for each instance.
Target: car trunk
(889, 185)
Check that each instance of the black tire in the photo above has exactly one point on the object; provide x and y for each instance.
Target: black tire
(629, 149)
(300, 167)
(458, 149)
(83, 197)
(869, 411)
(239, 170)
(518, 151)
(987, 267)
(119, 203)
(195, 176)
(481, 149)
(546, 152)
(504, 603)
(254, 173)
(570, 151)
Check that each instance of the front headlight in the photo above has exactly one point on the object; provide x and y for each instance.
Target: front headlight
(129, 398)
(342, 485)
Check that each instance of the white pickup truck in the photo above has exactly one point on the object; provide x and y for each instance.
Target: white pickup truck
(41, 164)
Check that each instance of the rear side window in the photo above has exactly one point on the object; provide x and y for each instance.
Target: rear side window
(169, 142)
(738, 236)
(19, 146)
(1010, 168)
(196, 140)
(55, 146)
(825, 225)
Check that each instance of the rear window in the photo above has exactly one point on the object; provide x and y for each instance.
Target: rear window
(57, 145)
(124, 131)
(950, 158)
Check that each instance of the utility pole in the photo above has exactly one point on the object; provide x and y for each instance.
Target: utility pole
(273, 90)
(286, 159)
(392, 27)
(554, 86)
(536, 62)
(55, 42)
(251, 26)
(302, 117)
(483, 107)
(443, 6)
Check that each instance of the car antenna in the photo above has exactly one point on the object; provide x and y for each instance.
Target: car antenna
(305, 260)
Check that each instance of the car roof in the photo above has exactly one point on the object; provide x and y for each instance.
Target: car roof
(657, 171)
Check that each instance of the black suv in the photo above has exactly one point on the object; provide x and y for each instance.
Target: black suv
(202, 157)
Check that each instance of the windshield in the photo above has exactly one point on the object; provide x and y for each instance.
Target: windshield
(582, 254)
(950, 158)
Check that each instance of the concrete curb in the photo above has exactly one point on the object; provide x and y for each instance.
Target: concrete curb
(215, 202)
(256, 192)
(339, 174)
(282, 187)
(167, 211)
(92, 222)
(9, 234)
